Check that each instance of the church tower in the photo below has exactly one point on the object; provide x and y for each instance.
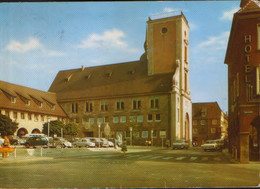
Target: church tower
(167, 50)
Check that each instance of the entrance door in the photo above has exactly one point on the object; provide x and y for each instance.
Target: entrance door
(187, 127)
(254, 140)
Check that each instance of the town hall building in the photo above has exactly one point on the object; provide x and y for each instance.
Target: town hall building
(143, 100)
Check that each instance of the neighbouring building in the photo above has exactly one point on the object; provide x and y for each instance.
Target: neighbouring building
(209, 122)
(148, 99)
(28, 107)
(243, 60)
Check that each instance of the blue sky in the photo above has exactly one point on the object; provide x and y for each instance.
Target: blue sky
(39, 39)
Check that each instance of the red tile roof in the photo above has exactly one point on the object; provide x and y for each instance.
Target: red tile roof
(36, 97)
(124, 79)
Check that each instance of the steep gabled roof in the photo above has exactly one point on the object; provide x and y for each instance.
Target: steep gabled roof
(250, 6)
(121, 79)
(22, 93)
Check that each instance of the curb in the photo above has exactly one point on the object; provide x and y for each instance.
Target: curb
(25, 159)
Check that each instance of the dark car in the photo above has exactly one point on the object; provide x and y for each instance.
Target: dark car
(180, 144)
(36, 141)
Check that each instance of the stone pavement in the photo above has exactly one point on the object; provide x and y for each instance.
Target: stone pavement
(37, 154)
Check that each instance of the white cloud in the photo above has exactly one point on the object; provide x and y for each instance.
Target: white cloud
(30, 45)
(217, 42)
(108, 39)
(168, 9)
(228, 15)
(17, 46)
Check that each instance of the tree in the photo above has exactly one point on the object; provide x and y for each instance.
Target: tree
(71, 129)
(55, 127)
(7, 126)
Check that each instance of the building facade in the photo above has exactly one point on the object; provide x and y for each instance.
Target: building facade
(209, 122)
(148, 99)
(28, 107)
(243, 60)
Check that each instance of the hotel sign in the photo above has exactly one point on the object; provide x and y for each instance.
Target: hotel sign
(247, 49)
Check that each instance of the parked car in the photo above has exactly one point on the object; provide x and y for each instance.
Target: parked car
(106, 143)
(59, 141)
(221, 143)
(84, 142)
(36, 141)
(180, 144)
(117, 142)
(211, 145)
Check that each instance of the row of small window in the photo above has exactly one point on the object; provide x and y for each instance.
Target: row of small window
(142, 134)
(28, 102)
(122, 119)
(22, 116)
(203, 122)
(119, 105)
(212, 130)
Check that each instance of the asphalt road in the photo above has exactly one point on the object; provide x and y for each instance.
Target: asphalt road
(144, 168)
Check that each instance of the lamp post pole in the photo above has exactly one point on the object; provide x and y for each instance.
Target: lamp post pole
(48, 118)
(152, 137)
(99, 134)
(131, 136)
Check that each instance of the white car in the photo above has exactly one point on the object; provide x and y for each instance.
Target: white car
(107, 143)
(58, 141)
(84, 142)
(211, 145)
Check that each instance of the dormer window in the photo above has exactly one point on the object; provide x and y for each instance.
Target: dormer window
(13, 99)
(28, 102)
(40, 104)
(109, 74)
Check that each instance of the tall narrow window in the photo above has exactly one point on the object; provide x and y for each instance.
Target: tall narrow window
(258, 80)
(258, 36)
(120, 105)
(136, 104)
(154, 102)
(15, 115)
(185, 54)
(104, 106)
(74, 107)
(185, 81)
(89, 107)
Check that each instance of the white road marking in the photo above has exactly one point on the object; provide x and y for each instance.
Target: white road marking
(167, 158)
(156, 157)
(180, 158)
(193, 158)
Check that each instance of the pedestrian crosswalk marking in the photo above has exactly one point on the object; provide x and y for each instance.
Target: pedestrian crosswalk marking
(156, 157)
(146, 157)
(193, 158)
(167, 158)
(133, 156)
(180, 158)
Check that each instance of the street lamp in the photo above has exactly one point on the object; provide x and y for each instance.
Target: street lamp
(99, 134)
(131, 135)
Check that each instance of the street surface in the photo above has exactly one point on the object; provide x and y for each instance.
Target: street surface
(140, 167)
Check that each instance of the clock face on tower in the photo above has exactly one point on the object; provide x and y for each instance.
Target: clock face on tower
(164, 30)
